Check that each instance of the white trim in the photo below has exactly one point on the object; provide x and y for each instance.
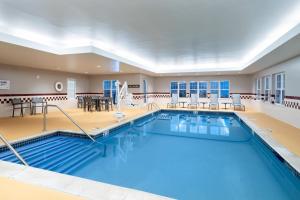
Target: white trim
(69, 95)
(281, 88)
(269, 78)
(197, 87)
(207, 85)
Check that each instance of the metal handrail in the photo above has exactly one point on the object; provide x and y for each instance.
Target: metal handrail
(150, 106)
(13, 150)
(68, 116)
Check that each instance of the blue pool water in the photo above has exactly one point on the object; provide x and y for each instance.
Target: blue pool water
(176, 154)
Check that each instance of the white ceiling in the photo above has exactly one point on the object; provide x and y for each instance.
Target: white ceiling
(159, 36)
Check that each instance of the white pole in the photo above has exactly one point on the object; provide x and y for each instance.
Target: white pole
(118, 98)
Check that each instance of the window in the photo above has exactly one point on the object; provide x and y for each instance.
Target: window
(258, 88)
(193, 87)
(174, 88)
(214, 87)
(71, 88)
(182, 89)
(109, 89)
(267, 88)
(224, 89)
(106, 88)
(202, 89)
(279, 89)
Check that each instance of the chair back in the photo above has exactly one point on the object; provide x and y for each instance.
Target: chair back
(128, 99)
(37, 100)
(236, 99)
(16, 101)
(80, 98)
(174, 99)
(214, 99)
(88, 99)
(194, 98)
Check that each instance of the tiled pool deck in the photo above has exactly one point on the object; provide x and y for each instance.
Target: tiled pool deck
(281, 137)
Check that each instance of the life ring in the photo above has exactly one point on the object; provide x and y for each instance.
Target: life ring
(59, 86)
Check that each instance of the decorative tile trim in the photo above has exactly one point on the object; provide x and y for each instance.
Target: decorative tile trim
(291, 103)
(26, 99)
(32, 94)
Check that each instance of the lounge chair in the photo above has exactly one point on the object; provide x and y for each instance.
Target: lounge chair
(174, 101)
(194, 101)
(236, 102)
(213, 101)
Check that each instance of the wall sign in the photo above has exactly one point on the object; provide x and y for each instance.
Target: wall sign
(134, 86)
(4, 84)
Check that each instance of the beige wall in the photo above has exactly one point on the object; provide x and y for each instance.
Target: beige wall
(26, 80)
(150, 83)
(291, 68)
(238, 83)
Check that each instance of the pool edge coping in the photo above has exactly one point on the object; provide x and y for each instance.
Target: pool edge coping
(290, 158)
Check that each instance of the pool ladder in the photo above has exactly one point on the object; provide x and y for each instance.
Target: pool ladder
(13, 150)
(151, 105)
(68, 116)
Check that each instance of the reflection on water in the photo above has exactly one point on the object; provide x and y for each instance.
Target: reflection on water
(200, 125)
(221, 128)
(175, 155)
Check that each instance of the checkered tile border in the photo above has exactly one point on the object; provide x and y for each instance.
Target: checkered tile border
(138, 97)
(6, 100)
(295, 104)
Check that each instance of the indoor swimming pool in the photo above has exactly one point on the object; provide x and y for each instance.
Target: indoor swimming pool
(178, 154)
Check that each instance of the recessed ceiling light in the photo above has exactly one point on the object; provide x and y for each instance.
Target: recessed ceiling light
(86, 72)
(98, 66)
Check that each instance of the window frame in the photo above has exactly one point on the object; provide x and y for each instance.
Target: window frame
(190, 89)
(112, 89)
(179, 89)
(258, 89)
(201, 89)
(281, 89)
(220, 95)
(176, 89)
(218, 90)
(267, 90)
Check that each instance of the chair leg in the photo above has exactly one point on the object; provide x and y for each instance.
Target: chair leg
(13, 115)
(22, 114)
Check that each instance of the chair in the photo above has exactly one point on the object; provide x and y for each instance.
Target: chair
(174, 101)
(193, 101)
(80, 102)
(89, 103)
(17, 104)
(106, 102)
(38, 102)
(236, 102)
(214, 101)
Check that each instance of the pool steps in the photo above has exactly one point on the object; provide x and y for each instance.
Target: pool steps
(58, 154)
